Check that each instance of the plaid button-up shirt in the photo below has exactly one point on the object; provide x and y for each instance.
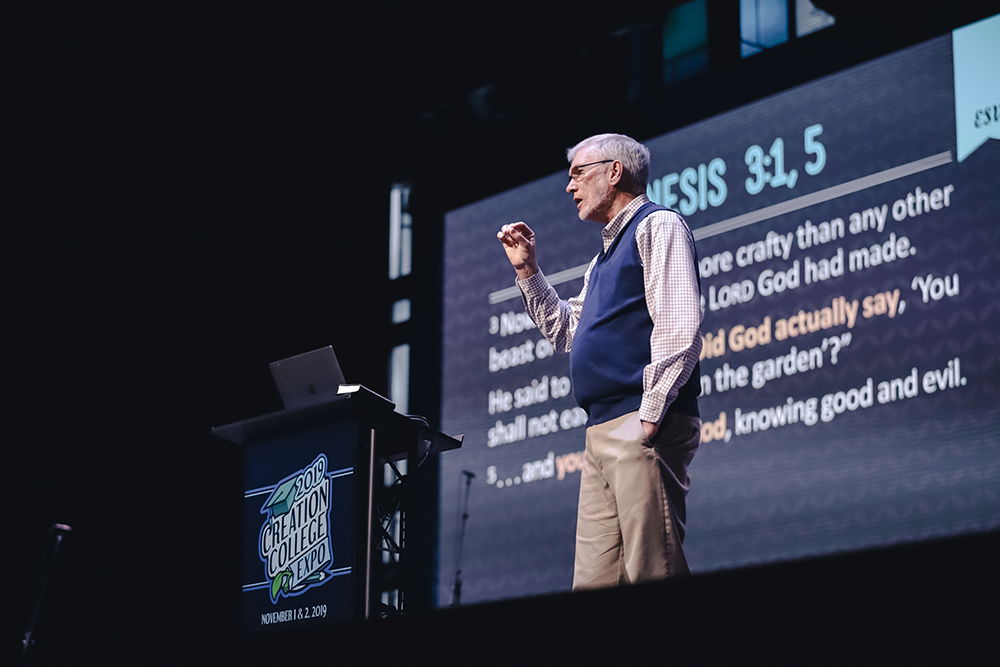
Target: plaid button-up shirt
(666, 250)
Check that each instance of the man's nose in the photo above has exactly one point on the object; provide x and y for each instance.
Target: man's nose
(571, 186)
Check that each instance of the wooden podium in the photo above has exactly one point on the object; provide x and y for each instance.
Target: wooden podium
(325, 511)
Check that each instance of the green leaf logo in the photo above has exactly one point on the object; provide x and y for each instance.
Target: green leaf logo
(282, 582)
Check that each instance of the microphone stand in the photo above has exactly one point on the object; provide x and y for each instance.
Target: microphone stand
(58, 531)
(456, 590)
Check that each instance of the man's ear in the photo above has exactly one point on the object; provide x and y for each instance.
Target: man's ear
(617, 173)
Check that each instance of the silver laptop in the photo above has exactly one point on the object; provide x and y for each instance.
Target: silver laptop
(307, 378)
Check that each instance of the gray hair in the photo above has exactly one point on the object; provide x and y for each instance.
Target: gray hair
(633, 156)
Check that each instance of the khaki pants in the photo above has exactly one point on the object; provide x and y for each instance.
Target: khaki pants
(630, 523)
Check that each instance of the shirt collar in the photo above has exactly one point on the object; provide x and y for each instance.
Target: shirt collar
(612, 229)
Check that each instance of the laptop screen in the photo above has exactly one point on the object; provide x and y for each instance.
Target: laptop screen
(307, 378)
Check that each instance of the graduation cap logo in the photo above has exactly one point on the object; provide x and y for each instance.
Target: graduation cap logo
(294, 543)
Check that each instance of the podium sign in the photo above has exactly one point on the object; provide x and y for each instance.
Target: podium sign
(317, 546)
(300, 526)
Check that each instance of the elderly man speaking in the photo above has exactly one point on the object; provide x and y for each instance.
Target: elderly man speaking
(632, 334)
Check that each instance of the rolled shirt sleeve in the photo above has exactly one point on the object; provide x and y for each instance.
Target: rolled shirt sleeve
(555, 318)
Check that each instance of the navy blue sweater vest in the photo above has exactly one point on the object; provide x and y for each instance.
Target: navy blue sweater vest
(611, 344)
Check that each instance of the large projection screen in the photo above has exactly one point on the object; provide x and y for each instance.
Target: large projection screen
(849, 240)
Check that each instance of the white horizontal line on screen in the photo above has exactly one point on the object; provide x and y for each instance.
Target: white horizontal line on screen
(766, 213)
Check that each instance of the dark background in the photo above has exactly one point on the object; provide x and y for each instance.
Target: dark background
(193, 191)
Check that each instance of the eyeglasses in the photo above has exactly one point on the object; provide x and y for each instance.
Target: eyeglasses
(576, 173)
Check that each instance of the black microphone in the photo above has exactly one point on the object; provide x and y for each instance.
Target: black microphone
(469, 474)
(59, 530)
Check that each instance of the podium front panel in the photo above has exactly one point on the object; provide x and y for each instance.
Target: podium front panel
(301, 530)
